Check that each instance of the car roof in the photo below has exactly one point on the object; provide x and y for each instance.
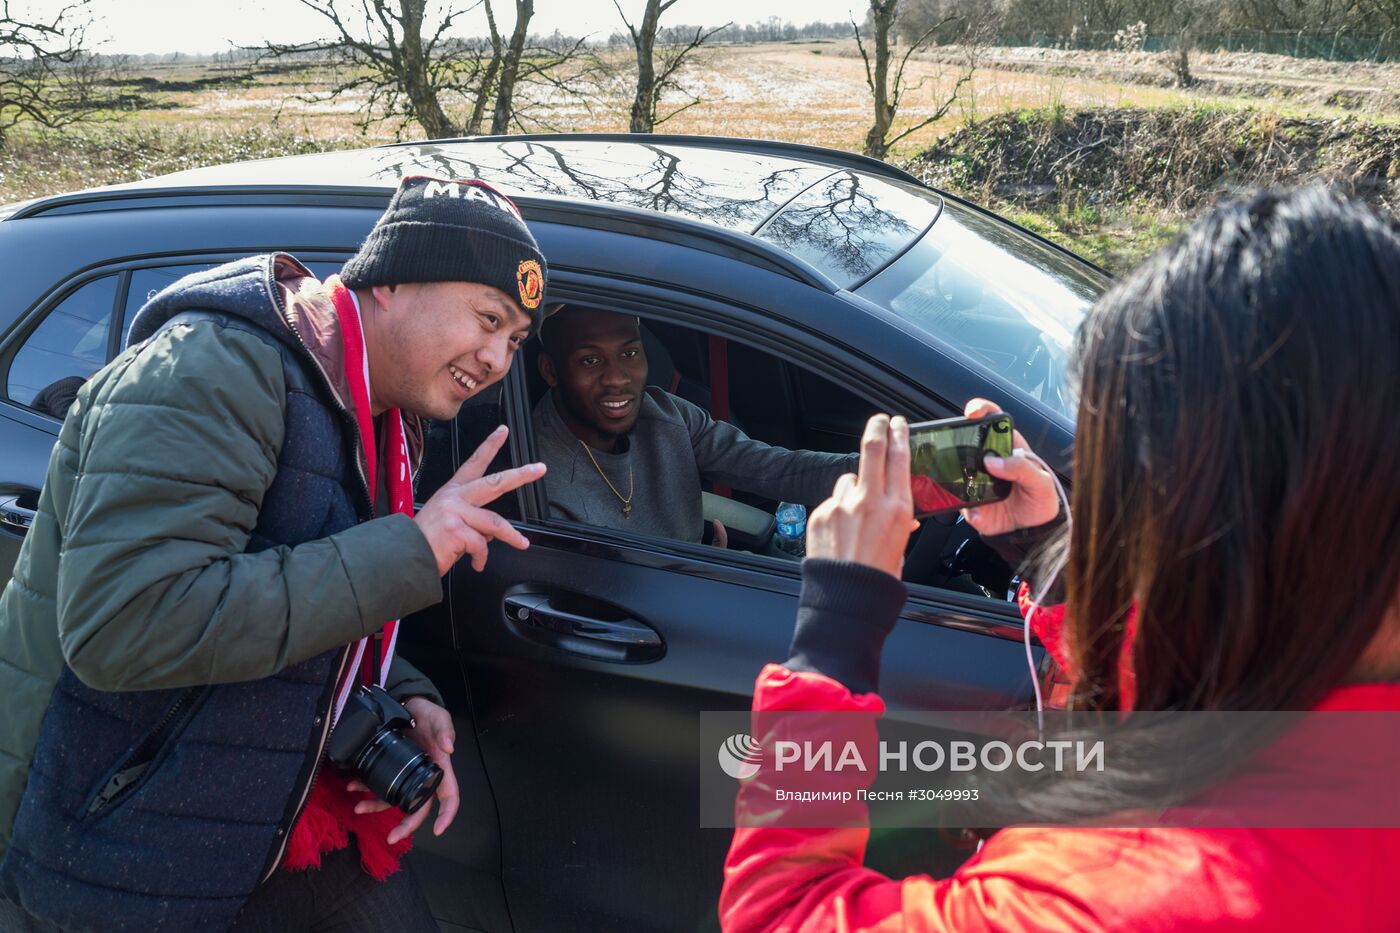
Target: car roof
(714, 193)
(733, 184)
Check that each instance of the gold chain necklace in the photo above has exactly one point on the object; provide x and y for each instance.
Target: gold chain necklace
(626, 503)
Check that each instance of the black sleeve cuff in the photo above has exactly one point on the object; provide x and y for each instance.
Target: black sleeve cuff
(846, 612)
(1020, 548)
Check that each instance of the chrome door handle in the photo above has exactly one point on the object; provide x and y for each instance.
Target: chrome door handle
(14, 516)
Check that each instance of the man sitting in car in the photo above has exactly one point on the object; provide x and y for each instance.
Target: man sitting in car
(630, 456)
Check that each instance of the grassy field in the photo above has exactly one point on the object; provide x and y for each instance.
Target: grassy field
(185, 115)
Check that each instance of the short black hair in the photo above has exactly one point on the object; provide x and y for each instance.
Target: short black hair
(553, 335)
(550, 336)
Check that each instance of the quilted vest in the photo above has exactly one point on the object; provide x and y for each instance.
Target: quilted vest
(135, 795)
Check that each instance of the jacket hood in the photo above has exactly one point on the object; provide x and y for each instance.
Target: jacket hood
(280, 295)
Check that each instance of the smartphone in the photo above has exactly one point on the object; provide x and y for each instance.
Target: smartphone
(946, 466)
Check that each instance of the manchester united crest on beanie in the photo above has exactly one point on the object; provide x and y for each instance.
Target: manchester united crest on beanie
(441, 230)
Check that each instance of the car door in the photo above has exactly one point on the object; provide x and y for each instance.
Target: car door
(589, 657)
(49, 353)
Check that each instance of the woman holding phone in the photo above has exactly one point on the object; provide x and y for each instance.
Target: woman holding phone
(1234, 545)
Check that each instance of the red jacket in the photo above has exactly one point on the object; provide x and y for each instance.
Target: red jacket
(1062, 879)
(1053, 879)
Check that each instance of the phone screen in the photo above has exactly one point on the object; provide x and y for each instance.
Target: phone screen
(947, 457)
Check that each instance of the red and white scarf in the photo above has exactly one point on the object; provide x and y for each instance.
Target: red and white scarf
(398, 482)
(329, 816)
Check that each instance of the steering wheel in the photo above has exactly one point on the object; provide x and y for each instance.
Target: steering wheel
(1039, 371)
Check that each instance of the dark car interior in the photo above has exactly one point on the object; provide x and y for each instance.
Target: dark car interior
(772, 400)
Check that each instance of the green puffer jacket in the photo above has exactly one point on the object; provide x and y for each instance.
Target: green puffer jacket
(134, 572)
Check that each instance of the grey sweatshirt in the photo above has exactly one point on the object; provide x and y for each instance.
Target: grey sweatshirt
(673, 445)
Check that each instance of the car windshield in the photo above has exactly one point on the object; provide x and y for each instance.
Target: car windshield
(997, 295)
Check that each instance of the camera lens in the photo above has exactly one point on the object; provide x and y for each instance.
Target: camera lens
(398, 771)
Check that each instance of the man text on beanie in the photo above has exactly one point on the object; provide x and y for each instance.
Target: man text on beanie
(439, 230)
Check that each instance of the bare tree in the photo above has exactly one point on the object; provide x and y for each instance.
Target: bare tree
(487, 79)
(402, 56)
(1180, 20)
(1387, 12)
(510, 64)
(557, 66)
(403, 64)
(45, 76)
(1181, 61)
(655, 78)
(1317, 16)
(1163, 17)
(888, 89)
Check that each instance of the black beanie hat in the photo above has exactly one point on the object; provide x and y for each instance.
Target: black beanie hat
(440, 230)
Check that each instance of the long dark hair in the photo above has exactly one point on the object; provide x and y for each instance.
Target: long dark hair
(1236, 455)
(1235, 465)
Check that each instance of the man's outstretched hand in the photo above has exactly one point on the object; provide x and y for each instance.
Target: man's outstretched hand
(454, 520)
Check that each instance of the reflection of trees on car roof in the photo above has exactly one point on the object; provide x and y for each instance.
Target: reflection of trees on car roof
(737, 199)
(842, 225)
(688, 193)
(430, 160)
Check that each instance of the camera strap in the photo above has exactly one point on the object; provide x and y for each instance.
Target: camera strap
(371, 656)
(376, 648)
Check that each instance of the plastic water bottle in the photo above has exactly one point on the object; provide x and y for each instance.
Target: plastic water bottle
(792, 528)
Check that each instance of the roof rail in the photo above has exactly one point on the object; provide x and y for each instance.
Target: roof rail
(100, 199)
(594, 215)
(819, 154)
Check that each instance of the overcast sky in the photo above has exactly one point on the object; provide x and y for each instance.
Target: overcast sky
(137, 26)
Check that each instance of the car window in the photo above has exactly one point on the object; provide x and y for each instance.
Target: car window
(660, 481)
(148, 282)
(324, 270)
(69, 344)
(770, 399)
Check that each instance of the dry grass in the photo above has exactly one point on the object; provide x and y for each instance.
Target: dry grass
(1115, 182)
(810, 93)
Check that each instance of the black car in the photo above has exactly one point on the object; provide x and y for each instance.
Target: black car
(789, 289)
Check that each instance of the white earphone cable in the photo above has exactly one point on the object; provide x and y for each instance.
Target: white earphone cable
(1045, 587)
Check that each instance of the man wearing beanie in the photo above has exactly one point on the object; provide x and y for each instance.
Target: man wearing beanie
(232, 502)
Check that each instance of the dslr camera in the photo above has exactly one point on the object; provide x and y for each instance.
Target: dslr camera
(368, 742)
